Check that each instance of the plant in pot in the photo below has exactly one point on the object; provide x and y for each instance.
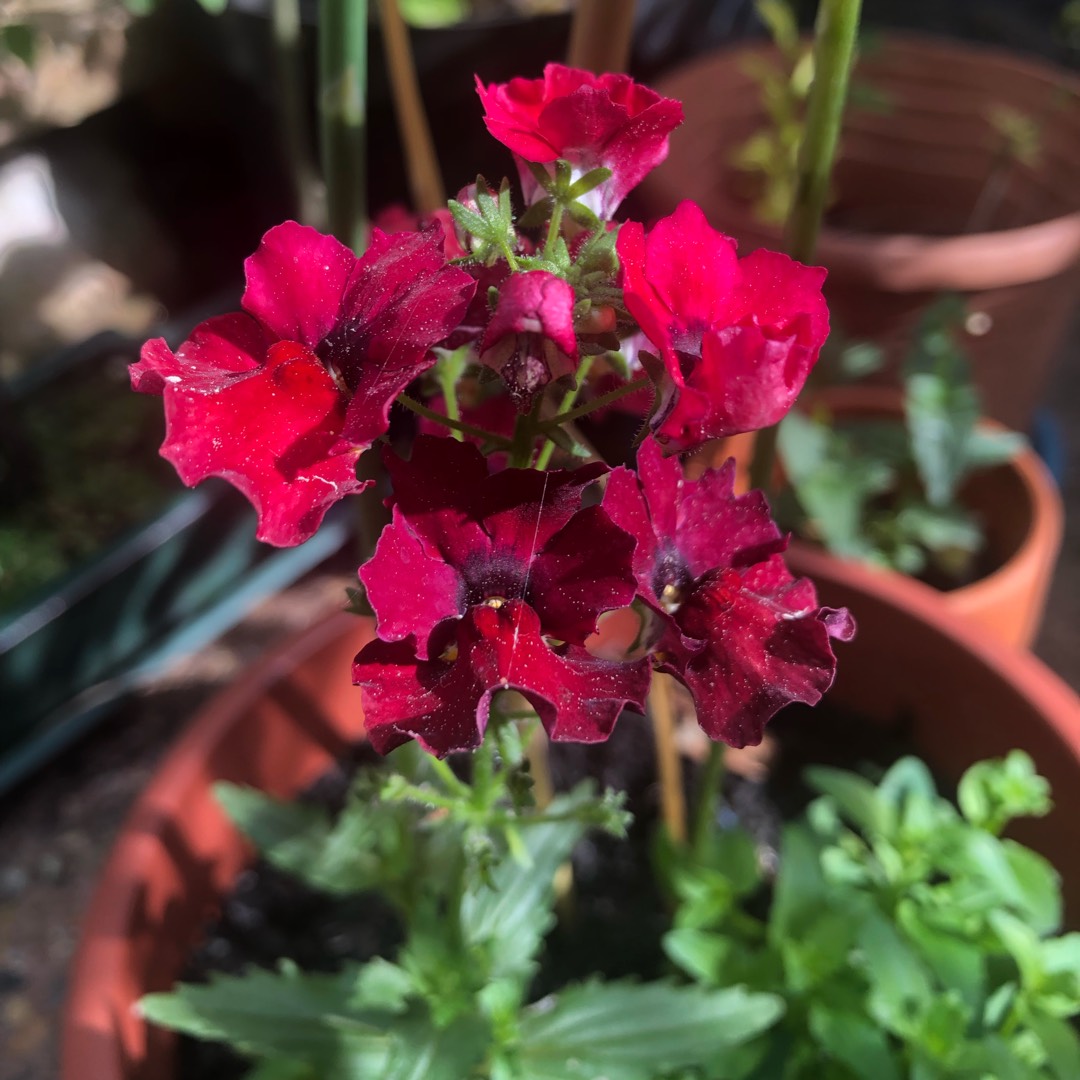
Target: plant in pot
(491, 588)
(917, 483)
(955, 175)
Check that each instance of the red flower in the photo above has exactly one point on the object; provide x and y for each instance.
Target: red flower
(738, 337)
(282, 398)
(590, 121)
(743, 635)
(485, 582)
(530, 338)
(398, 218)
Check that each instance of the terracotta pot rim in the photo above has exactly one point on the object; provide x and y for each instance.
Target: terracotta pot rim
(104, 933)
(916, 262)
(1044, 509)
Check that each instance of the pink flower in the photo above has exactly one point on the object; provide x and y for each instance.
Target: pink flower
(489, 582)
(590, 121)
(738, 337)
(282, 398)
(733, 625)
(530, 339)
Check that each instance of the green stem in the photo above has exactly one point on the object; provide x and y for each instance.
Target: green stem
(288, 50)
(450, 780)
(525, 432)
(343, 115)
(835, 35)
(499, 441)
(567, 403)
(554, 225)
(591, 406)
(708, 792)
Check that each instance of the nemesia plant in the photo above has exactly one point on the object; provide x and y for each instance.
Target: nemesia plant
(507, 548)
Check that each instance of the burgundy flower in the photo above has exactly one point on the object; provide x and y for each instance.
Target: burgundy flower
(398, 218)
(733, 625)
(444, 703)
(282, 398)
(530, 339)
(590, 121)
(492, 582)
(738, 337)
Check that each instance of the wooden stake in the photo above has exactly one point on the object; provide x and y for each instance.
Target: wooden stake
(668, 765)
(601, 34)
(422, 164)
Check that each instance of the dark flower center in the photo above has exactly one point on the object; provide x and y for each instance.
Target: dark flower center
(498, 575)
(671, 578)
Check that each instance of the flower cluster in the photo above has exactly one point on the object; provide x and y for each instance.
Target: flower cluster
(503, 333)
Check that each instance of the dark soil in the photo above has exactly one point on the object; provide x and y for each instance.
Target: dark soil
(618, 917)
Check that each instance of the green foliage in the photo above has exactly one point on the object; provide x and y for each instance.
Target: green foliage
(435, 13)
(889, 493)
(491, 224)
(906, 936)
(19, 40)
(470, 868)
(627, 1031)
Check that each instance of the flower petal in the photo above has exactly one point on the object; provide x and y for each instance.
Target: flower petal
(411, 590)
(445, 704)
(275, 433)
(748, 642)
(582, 571)
(295, 282)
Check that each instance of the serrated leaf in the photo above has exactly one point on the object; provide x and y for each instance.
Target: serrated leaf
(284, 1014)
(420, 1051)
(627, 1031)
(509, 918)
(334, 856)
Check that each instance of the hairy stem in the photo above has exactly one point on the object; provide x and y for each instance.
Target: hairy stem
(567, 403)
(500, 441)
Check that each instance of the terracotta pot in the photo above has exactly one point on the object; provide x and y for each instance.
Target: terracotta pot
(1020, 508)
(278, 728)
(906, 185)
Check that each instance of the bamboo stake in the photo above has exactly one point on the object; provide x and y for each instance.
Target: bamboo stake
(668, 765)
(422, 164)
(601, 34)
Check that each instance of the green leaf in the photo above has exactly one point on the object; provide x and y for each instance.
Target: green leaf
(510, 917)
(1060, 1044)
(993, 793)
(19, 40)
(856, 797)
(214, 7)
(626, 1031)
(285, 1014)
(423, 1052)
(337, 857)
(779, 18)
(700, 953)
(986, 449)
(281, 1069)
(431, 14)
(900, 986)
(1038, 894)
(856, 1041)
(584, 184)
(801, 890)
(959, 964)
